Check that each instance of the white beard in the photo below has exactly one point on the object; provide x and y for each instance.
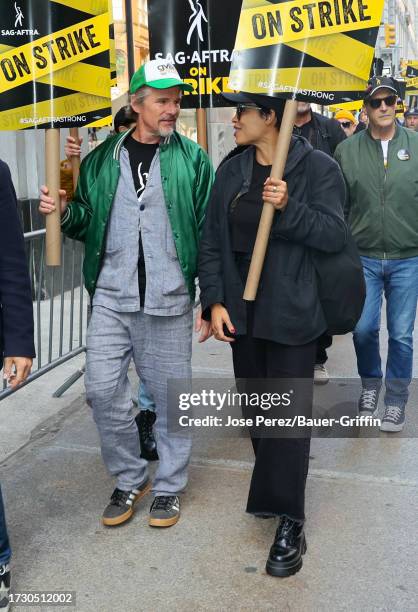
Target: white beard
(165, 132)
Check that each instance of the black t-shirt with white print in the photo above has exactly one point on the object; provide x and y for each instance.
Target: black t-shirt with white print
(140, 158)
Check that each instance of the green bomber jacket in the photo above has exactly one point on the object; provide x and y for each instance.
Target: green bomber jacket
(187, 177)
(382, 203)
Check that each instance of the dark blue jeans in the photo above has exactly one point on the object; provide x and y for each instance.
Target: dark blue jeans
(398, 279)
(5, 552)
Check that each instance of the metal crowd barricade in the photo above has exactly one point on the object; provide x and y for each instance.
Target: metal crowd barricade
(60, 309)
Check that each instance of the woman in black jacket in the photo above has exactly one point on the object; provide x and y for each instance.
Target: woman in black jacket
(274, 337)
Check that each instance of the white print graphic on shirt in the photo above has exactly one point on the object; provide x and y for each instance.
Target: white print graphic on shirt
(143, 177)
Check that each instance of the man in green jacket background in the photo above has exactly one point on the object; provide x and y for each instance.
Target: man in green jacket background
(139, 208)
(380, 166)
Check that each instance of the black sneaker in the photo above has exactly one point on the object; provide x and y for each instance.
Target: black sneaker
(145, 420)
(393, 419)
(4, 587)
(165, 511)
(121, 505)
(367, 404)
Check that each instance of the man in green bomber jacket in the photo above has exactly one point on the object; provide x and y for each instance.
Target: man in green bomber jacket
(380, 166)
(139, 208)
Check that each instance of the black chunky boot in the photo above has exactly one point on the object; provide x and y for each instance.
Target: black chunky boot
(145, 421)
(289, 545)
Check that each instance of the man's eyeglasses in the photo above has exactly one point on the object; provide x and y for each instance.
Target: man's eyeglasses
(345, 124)
(377, 102)
(242, 107)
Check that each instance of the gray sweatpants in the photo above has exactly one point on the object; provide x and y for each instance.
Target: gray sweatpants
(161, 349)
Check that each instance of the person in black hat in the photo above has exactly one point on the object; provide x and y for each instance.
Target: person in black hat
(380, 169)
(411, 118)
(275, 336)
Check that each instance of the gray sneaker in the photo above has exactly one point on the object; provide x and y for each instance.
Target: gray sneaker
(321, 376)
(121, 505)
(393, 419)
(4, 587)
(367, 404)
(165, 511)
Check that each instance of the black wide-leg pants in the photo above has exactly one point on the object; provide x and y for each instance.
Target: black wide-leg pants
(281, 463)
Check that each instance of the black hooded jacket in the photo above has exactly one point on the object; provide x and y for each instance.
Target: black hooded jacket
(287, 308)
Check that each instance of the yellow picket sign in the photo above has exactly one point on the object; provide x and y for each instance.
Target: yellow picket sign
(290, 33)
(272, 24)
(48, 54)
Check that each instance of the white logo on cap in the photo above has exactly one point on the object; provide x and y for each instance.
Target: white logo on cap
(196, 18)
(166, 69)
(156, 70)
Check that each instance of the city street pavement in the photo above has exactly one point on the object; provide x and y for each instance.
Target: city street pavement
(361, 504)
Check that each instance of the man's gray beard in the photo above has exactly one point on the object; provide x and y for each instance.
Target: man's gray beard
(165, 133)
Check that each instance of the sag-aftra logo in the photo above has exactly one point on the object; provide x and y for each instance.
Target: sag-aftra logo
(18, 23)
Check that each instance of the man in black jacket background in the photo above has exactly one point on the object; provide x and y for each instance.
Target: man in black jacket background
(324, 135)
(16, 326)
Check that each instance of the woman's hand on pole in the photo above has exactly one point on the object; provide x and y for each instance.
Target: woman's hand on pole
(220, 317)
(275, 193)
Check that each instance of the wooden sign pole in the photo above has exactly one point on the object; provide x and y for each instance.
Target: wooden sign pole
(53, 220)
(75, 159)
(202, 130)
(267, 216)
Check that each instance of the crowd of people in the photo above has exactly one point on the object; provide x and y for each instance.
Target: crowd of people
(154, 218)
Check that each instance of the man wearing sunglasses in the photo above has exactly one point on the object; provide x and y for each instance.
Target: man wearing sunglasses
(347, 121)
(380, 166)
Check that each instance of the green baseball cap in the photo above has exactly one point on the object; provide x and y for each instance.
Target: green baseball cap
(158, 74)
